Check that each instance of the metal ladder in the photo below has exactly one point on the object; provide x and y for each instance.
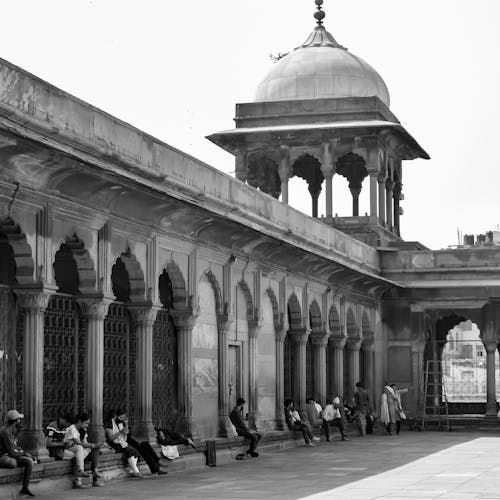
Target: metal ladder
(435, 402)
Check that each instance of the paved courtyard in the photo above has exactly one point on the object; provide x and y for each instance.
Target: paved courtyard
(410, 466)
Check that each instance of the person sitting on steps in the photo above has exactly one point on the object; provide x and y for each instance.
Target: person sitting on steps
(242, 429)
(332, 417)
(294, 423)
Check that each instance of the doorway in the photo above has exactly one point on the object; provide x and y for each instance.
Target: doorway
(234, 376)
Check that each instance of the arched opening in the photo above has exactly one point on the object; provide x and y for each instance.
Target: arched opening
(290, 356)
(308, 168)
(349, 375)
(464, 369)
(205, 349)
(352, 167)
(316, 329)
(165, 360)
(66, 271)
(263, 174)
(335, 334)
(120, 344)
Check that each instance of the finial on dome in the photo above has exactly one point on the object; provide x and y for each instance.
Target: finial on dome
(320, 14)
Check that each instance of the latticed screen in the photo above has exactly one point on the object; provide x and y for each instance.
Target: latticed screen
(288, 363)
(61, 376)
(119, 361)
(7, 351)
(164, 371)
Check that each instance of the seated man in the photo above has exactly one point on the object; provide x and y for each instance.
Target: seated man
(294, 423)
(78, 447)
(11, 455)
(314, 414)
(332, 417)
(118, 437)
(242, 429)
(55, 432)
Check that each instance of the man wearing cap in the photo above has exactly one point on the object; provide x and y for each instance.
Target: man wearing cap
(11, 455)
(242, 429)
(333, 417)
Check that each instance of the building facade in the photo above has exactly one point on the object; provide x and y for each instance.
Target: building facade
(133, 275)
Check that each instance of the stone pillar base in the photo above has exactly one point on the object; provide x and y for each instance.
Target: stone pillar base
(96, 433)
(34, 443)
(226, 429)
(144, 431)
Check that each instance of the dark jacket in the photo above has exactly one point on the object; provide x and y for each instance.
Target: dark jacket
(237, 420)
(8, 443)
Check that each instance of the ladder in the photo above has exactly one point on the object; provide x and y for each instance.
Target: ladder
(435, 401)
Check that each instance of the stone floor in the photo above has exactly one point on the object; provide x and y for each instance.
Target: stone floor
(411, 466)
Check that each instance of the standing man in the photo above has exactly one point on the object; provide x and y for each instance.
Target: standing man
(361, 403)
(242, 429)
(11, 455)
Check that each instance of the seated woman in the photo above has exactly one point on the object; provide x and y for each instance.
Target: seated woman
(294, 423)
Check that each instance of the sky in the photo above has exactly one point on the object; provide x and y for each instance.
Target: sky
(176, 70)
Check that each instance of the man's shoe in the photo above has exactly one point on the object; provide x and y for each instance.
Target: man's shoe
(312, 445)
(79, 485)
(83, 474)
(252, 453)
(137, 475)
(162, 472)
(316, 438)
(27, 492)
(96, 483)
(344, 438)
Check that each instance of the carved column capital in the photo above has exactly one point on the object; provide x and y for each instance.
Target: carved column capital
(35, 300)
(319, 339)
(299, 335)
(94, 307)
(143, 314)
(281, 334)
(338, 342)
(490, 345)
(253, 329)
(353, 344)
(184, 320)
(224, 323)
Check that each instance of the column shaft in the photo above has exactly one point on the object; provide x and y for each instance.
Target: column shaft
(95, 310)
(370, 372)
(353, 351)
(373, 195)
(280, 384)
(300, 339)
(252, 376)
(388, 200)
(381, 200)
(185, 324)
(491, 397)
(34, 302)
(225, 427)
(338, 361)
(144, 317)
(329, 195)
(319, 346)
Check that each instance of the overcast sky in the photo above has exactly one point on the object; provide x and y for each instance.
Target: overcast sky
(176, 70)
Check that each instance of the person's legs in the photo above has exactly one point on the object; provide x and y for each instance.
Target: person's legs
(7, 462)
(252, 438)
(151, 458)
(27, 463)
(326, 428)
(398, 426)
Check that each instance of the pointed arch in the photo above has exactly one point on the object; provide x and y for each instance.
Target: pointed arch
(220, 309)
(128, 278)
(178, 285)
(278, 323)
(315, 317)
(366, 327)
(334, 322)
(294, 312)
(74, 268)
(21, 256)
(249, 300)
(351, 325)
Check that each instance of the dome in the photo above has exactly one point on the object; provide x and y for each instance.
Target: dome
(321, 68)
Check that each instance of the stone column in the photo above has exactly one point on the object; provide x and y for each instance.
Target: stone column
(300, 337)
(143, 316)
(184, 324)
(373, 194)
(328, 170)
(253, 332)
(241, 165)
(353, 346)
(370, 371)
(491, 397)
(381, 200)
(280, 384)
(355, 191)
(94, 310)
(34, 302)
(319, 345)
(396, 197)
(225, 427)
(284, 171)
(338, 364)
(389, 185)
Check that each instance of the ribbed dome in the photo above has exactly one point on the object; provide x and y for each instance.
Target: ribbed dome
(321, 68)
